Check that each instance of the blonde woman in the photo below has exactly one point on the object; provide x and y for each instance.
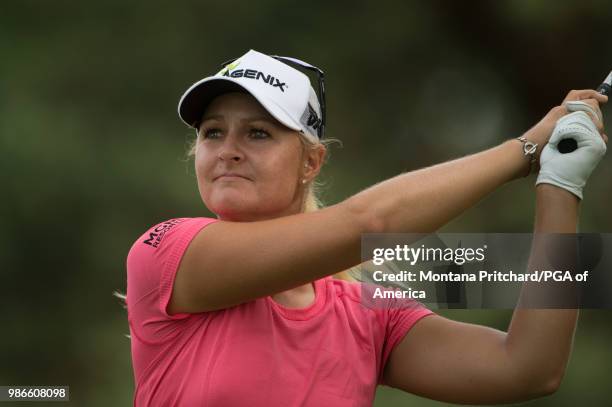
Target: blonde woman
(242, 309)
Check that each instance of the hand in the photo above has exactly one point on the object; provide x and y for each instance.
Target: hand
(542, 131)
(570, 171)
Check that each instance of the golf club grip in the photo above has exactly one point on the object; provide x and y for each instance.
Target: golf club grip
(568, 145)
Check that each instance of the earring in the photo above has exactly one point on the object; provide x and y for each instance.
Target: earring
(304, 181)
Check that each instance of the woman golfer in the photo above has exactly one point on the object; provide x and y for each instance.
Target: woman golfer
(243, 309)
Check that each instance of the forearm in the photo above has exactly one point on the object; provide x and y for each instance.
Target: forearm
(539, 341)
(426, 199)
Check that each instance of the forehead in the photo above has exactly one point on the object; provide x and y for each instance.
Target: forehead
(237, 103)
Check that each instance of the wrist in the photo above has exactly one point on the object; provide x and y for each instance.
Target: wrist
(520, 164)
(556, 210)
(540, 141)
(558, 183)
(556, 192)
(529, 149)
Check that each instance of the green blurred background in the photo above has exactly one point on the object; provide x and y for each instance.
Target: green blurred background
(93, 152)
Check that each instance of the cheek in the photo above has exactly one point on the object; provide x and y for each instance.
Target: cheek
(203, 171)
(281, 176)
(204, 164)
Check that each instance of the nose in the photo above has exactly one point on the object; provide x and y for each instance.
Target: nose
(230, 150)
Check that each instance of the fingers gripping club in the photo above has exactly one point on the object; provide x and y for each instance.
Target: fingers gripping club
(567, 145)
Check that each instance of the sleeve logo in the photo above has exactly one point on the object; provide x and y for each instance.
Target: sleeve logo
(157, 234)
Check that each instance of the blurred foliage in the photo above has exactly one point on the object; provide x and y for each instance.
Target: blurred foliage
(93, 152)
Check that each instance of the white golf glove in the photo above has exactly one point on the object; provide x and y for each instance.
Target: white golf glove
(570, 171)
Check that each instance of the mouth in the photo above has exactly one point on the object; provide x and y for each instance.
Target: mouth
(230, 176)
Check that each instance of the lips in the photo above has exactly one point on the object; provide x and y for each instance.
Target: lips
(230, 175)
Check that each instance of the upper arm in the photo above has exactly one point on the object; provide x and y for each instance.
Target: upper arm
(228, 263)
(456, 362)
(151, 264)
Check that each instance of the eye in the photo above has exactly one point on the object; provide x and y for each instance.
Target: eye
(257, 133)
(210, 133)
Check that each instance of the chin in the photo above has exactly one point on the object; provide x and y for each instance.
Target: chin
(244, 213)
(232, 209)
(235, 205)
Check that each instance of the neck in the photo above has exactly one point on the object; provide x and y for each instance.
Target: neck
(255, 217)
(297, 206)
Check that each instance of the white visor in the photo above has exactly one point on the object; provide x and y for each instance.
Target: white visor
(285, 92)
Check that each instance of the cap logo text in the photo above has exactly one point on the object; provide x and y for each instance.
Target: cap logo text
(257, 75)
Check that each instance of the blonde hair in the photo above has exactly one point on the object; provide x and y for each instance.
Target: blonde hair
(312, 201)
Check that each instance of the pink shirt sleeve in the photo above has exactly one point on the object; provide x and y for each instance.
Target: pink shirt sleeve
(398, 316)
(151, 267)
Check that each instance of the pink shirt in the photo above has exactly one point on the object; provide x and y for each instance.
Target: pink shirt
(258, 353)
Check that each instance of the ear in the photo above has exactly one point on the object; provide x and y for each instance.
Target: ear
(313, 161)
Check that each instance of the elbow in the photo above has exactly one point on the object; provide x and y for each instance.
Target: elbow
(364, 215)
(551, 385)
(532, 382)
(544, 387)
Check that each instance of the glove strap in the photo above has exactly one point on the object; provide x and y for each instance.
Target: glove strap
(529, 149)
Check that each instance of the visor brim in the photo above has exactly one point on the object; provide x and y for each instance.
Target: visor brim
(196, 99)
